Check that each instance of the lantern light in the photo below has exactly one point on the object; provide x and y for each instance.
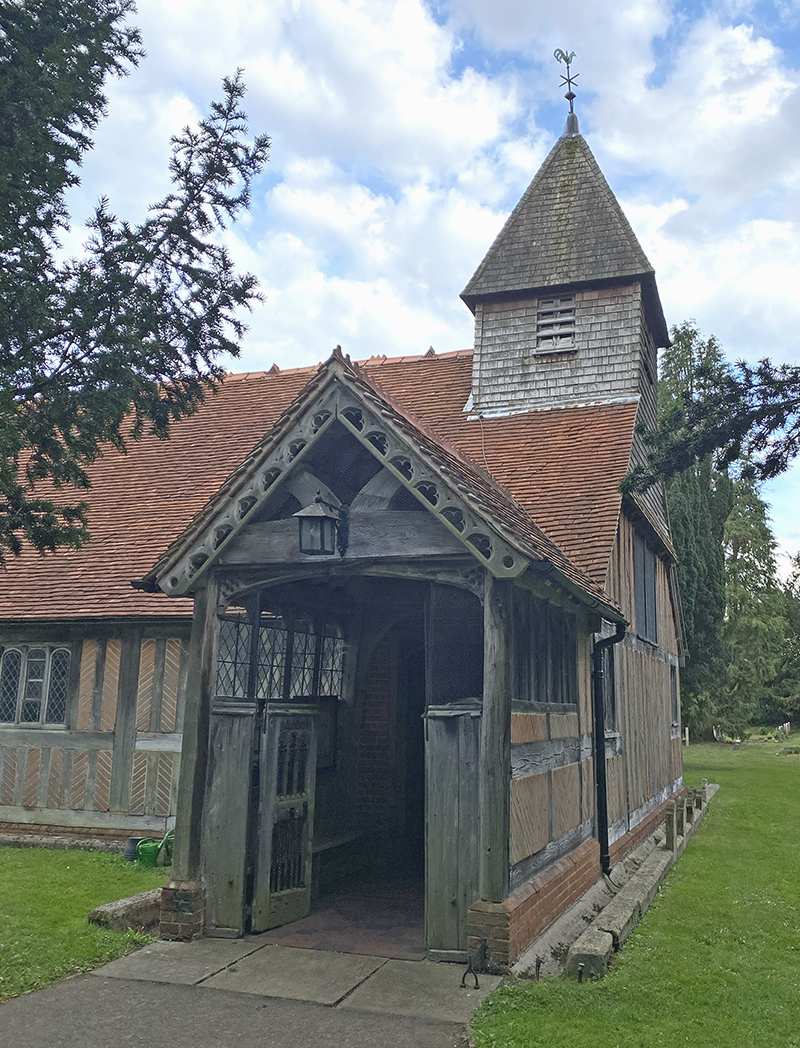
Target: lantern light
(320, 524)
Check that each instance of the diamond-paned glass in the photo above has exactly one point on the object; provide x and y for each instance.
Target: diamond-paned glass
(10, 667)
(304, 646)
(58, 686)
(271, 658)
(233, 658)
(330, 667)
(31, 708)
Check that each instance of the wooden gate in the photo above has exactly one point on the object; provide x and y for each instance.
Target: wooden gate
(285, 816)
(452, 747)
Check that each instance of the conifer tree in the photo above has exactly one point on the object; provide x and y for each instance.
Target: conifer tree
(699, 499)
(130, 334)
(756, 626)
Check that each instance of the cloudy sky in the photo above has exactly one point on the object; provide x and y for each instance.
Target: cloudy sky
(404, 131)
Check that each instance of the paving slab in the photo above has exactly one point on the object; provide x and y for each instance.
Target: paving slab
(185, 963)
(299, 975)
(90, 1012)
(421, 989)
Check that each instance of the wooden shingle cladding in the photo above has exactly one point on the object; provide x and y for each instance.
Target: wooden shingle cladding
(113, 765)
(568, 229)
(600, 362)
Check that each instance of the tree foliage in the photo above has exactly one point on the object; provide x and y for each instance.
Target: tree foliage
(699, 500)
(130, 334)
(756, 628)
(742, 637)
(742, 414)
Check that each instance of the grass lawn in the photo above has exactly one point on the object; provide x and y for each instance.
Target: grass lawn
(716, 961)
(44, 899)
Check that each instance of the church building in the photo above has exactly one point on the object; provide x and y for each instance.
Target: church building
(379, 623)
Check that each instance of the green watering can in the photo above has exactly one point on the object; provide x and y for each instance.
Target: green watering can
(148, 849)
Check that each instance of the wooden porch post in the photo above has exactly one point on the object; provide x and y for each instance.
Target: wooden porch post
(495, 763)
(194, 750)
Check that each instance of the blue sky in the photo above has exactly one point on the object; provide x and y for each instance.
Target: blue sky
(404, 131)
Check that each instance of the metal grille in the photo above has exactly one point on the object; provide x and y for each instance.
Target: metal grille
(58, 686)
(34, 686)
(292, 763)
(287, 869)
(330, 668)
(271, 659)
(303, 655)
(9, 684)
(233, 661)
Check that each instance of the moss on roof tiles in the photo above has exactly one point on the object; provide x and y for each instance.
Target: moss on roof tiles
(567, 228)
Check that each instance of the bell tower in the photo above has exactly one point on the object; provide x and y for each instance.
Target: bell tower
(565, 302)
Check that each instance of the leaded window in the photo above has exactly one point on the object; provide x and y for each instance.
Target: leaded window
(271, 666)
(645, 577)
(233, 657)
(330, 667)
(304, 647)
(295, 658)
(609, 688)
(34, 684)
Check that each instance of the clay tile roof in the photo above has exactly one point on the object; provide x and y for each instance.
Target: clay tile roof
(556, 473)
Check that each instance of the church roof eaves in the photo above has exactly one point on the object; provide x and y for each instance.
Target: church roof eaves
(497, 507)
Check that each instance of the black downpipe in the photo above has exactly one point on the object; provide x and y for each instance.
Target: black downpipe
(600, 743)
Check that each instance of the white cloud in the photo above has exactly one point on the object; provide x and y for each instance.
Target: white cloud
(717, 127)
(401, 140)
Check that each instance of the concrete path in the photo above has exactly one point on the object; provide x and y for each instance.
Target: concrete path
(243, 992)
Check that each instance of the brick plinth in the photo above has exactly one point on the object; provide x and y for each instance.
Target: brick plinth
(183, 910)
(500, 932)
(85, 832)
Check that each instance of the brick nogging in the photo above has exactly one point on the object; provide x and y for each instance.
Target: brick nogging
(83, 832)
(374, 755)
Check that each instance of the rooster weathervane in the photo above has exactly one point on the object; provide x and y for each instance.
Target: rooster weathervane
(566, 57)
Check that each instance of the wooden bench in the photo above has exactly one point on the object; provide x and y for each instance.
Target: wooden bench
(326, 845)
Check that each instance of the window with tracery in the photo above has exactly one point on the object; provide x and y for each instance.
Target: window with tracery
(34, 684)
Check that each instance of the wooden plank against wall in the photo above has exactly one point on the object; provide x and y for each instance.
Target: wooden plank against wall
(83, 703)
(125, 729)
(469, 740)
(156, 704)
(495, 767)
(226, 819)
(96, 714)
(194, 754)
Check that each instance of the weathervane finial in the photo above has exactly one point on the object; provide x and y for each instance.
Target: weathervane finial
(566, 57)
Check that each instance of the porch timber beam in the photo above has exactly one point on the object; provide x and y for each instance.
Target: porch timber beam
(194, 753)
(495, 763)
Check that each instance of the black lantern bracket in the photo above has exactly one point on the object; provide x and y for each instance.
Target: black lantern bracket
(323, 528)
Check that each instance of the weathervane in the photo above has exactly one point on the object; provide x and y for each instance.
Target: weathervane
(566, 57)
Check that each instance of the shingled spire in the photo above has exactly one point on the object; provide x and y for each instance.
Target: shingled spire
(568, 228)
(565, 301)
